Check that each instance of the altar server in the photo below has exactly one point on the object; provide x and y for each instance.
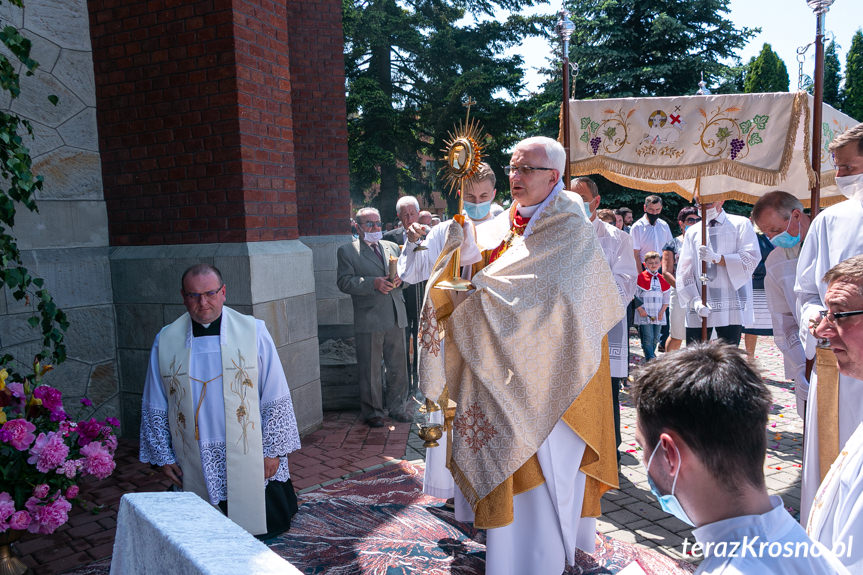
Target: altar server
(833, 237)
(701, 415)
(732, 255)
(217, 414)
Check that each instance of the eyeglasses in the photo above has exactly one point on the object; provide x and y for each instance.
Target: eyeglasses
(370, 225)
(207, 294)
(523, 170)
(691, 220)
(833, 317)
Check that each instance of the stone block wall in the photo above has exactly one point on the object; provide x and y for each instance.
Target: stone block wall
(66, 243)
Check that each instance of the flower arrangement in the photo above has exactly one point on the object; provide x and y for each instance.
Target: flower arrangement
(43, 454)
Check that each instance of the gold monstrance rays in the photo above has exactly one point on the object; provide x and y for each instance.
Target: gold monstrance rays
(462, 157)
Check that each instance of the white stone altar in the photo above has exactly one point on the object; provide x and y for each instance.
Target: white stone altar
(181, 534)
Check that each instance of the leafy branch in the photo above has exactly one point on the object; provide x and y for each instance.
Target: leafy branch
(19, 185)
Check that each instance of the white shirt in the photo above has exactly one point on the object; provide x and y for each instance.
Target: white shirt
(732, 550)
(729, 287)
(837, 516)
(416, 266)
(647, 238)
(278, 423)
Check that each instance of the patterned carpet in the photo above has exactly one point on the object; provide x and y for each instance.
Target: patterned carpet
(380, 523)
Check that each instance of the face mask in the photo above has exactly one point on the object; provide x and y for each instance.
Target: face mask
(850, 185)
(652, 218)
(669, 503)
(712, 214)
(786, 240)
(373, 237)
(477, 211)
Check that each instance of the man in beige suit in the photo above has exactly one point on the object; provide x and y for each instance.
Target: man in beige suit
(379, 318)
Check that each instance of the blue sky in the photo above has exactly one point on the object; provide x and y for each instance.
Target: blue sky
(785, 25)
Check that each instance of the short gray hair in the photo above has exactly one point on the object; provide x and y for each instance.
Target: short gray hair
(781, 202)
(850, 270)
(365, 211)
(591, 185)
(405, 201)
(554, 152)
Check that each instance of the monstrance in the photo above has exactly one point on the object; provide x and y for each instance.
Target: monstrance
(462, 157)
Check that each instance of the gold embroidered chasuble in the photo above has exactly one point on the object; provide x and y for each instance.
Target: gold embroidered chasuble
(524, 350)
(243, 434)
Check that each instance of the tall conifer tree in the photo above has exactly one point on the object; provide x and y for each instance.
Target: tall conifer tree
(766, 73)
(852, 95)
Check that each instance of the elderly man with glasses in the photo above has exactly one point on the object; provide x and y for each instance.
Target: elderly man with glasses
(524, 355)
(217, 414)
(379, 319)
(836, 519)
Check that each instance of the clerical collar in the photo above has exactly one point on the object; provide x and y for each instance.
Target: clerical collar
(528, 211)
(200, 330)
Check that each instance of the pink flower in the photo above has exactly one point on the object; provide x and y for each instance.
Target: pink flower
(51, 516)
(86, 402)
(48, 452)
(72, 492)
(18, 433)
(41, 491)
(98, 460)
(51, 398)
(112, 421)
(68, 427)
(7, 508)
(88, 431)
(20, 520)
(17, 389)
(70, 468)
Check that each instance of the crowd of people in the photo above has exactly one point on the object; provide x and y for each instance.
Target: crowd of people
(531, 350)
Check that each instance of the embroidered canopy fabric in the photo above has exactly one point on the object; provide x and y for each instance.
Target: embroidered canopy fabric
(737, 146)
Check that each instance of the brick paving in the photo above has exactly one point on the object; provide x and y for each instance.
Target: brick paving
(344, 446)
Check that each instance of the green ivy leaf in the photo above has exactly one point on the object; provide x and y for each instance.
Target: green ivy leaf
(745, 126)
(761, 121)
(585, 122)
(754, 138)
(585, 137)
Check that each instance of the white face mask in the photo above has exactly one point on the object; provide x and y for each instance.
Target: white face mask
(712, 214)
(373, 237)
(850, 186)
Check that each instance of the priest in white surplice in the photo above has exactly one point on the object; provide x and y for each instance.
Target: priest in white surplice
(217, 414)
(525, 360)
(702, 412)
(616, 245)
(732, 254)
(780, 216)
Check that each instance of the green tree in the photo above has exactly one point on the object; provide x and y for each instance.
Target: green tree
(410, 65)
(19, 185)
(852, 95)
(832, 76)
(766, 73)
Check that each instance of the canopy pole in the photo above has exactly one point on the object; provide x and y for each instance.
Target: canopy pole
(703, 263)
(565, 28)
(818, 98)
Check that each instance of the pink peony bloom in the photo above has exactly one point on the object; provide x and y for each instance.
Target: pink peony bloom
(41, 491)
(19, 520)
(70, 468)
(86, 402)
(18, 433)
(72, 492)
(7, 508)
(48, 452)
(88, 431)
(98, 460)
(113, 421)
(52, 399)
(51, 516)
(67, 428)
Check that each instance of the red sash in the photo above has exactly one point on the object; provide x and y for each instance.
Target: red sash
(644, 278)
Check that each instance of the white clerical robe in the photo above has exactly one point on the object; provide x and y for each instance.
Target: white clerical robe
(735, 546)
(837, 513)
(729, 287)
(278, 423)
(650, 238)
(617, 247)
(781, 270)
(834, 236)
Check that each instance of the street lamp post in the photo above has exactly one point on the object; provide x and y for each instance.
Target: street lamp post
(565, 28)
(820, 7)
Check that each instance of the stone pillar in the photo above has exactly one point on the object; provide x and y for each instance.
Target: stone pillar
(197, 137)
(66, 242)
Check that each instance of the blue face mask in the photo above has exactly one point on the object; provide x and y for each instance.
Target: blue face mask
(669, 503)
(786, 240)
(477, 211)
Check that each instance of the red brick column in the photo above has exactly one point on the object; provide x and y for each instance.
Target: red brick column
(194, 115)
(318, 110)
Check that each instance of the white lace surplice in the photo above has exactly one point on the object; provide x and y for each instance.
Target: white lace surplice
(279, 425)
